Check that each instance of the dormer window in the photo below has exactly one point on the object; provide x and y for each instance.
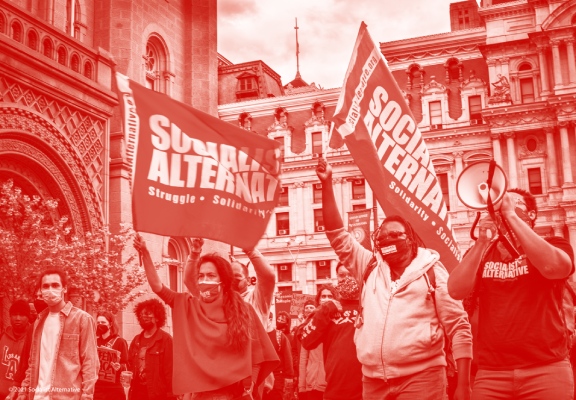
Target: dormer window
(247, 87)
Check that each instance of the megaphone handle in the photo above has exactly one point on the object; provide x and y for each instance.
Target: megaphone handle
(472, 235)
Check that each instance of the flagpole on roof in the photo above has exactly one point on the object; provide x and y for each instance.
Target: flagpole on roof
(297, 51)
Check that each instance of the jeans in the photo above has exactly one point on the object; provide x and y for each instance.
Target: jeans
(545, 382)
(429, 384)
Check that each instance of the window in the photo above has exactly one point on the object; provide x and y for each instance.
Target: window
(317, 144)
(323, 269)
(356, 207)
(156, 61)
(247, 87)
(443, 181)
(435, 115)
(174, 261)
(318, 220)
(2, 23)
(33, 40)
(280, 139)
(317, 193)
(535, 180)
(173, 272)
(284, 272)
(16, 31)
(75, 63)
(282, 224)
(283, 199)
(47, 48)
(285, 289)
(475, 106)
(73, 18)
(88, 70)
(358, 189)
(527, 90)
(62, 55)
(247, 84)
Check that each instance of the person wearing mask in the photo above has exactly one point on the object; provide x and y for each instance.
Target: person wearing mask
(63, 356)
(39, 306)
(284, 372)
(259, 296)
(333, 328)
(219, 339)
(11, 345)
(307, 310)
(150, 354)
(522, 341)
(108, 386)
(312, 377)
(404, 317)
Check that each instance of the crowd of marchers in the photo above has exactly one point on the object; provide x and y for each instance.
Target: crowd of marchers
(397, 325)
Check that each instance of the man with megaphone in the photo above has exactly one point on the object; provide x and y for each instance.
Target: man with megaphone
(522, 341)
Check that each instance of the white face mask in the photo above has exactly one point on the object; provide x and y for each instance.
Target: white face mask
(52, 296)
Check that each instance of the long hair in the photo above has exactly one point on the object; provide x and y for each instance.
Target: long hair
(331, 289)
(235, 309)
(111, 320)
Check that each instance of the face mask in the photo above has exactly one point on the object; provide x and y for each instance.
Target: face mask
(101, 330)
(348, 288)
(39, 305)
(240, 285)
(209, 291)
(52, 296)
(394, 250)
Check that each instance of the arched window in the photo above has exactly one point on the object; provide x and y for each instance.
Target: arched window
(156, 61)
(177, 255)
(17, 31)
(2, 23)
(62, 55)
(88, 70)
(33, 40)
(73, 15)
(47, 48)
(75, 63)
(526, 82)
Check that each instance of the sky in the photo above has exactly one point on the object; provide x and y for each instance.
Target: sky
(250, 30)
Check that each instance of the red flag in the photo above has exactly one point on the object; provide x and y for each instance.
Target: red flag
(193, 174)
(386, 144)
(359, 226)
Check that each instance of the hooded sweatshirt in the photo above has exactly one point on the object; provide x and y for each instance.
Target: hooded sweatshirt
(403, 330)
(11, 350)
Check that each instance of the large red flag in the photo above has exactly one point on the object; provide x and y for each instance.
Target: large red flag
(193, 174)
(386, 144)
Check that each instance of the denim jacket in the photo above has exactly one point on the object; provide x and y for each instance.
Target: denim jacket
(76, 364)
(158, 365)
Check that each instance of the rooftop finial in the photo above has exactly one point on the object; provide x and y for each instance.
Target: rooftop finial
(297, 52)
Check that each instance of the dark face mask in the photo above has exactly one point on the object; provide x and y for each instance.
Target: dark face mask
(101, 330)
(394, 250)
(240, 285)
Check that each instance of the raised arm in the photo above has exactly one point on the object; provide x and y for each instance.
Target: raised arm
(330, 213)
(191, 268)
(462, 278)
(151, 273)
(552, 262)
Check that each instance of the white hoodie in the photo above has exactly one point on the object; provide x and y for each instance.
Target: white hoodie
(402, 332)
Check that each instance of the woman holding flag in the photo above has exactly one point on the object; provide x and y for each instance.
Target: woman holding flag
(221, 349)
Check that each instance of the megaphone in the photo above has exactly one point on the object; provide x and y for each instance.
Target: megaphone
(472, 186)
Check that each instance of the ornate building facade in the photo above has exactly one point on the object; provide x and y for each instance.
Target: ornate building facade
(501, 85)
(60, 128)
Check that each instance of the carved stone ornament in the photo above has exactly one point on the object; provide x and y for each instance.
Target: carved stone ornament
(317, 118)
(245, 121)
(473, 82)
(280, 120)
(501, 93)
(434, 87)
(531, 147)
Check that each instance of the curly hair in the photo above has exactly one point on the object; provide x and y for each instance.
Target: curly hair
(155, 306)
(331, 289)
(235, 309)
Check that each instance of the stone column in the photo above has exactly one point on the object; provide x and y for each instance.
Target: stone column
(551, 159)
(300, 212)
(543, 70)
(557, 64)
(301, 277)
(565, 144)
(571, 62)
(512, 167)
(496, 149)
(338, 193)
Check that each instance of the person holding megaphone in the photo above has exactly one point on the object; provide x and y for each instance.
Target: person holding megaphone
(522, 338)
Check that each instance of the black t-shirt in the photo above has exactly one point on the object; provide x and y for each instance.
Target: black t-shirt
(521, 321)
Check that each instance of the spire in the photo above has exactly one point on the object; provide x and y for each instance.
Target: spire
(297, 52)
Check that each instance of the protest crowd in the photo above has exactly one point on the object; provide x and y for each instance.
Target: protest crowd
(397, 325)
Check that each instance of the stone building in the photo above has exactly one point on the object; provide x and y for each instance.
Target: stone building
(501, 84)
(60, 132)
